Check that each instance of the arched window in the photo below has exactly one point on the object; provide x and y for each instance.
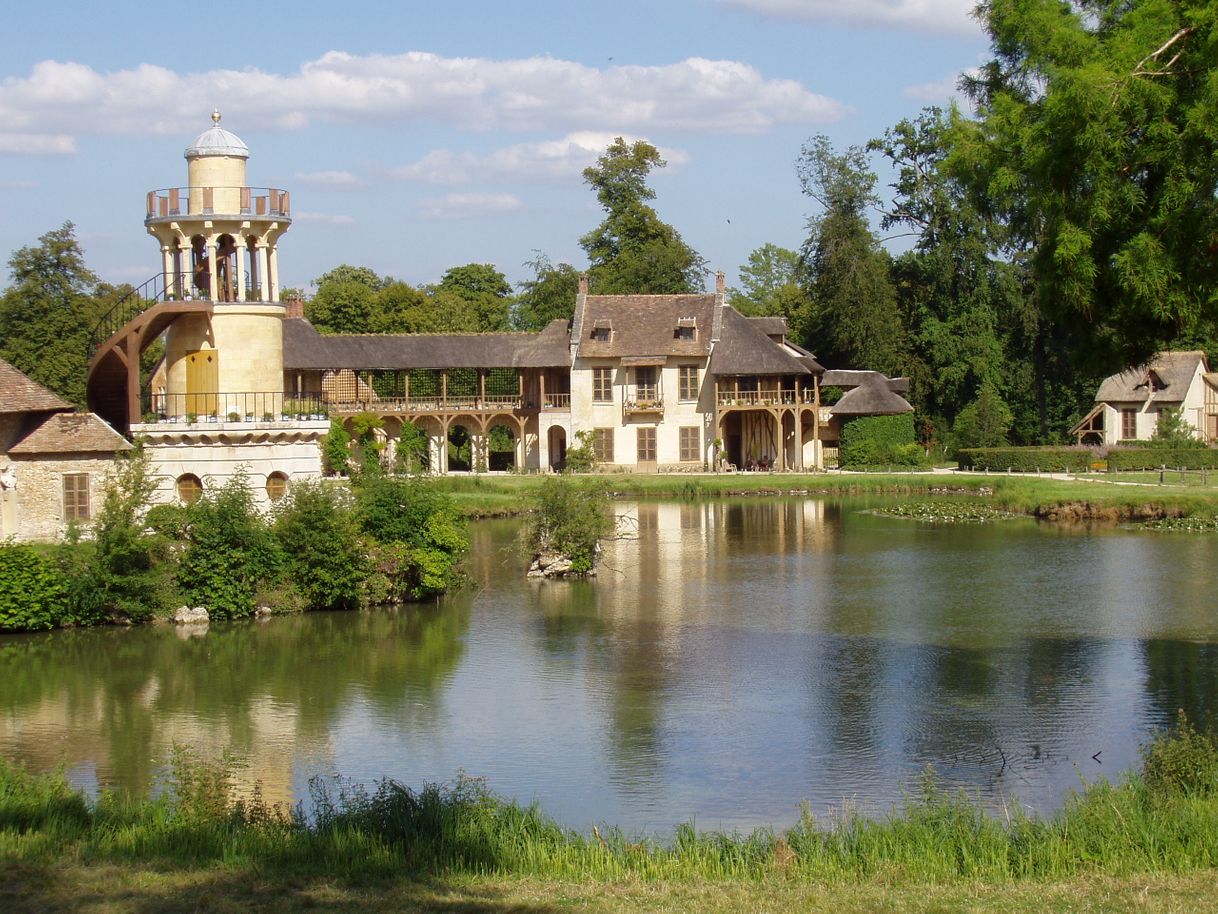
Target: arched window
(276, 486)
(190, 488)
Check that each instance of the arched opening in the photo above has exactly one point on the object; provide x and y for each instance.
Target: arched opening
(226, 268)
(190, 488)
(411, 450)
(200, 267)
(501, 447)
(276, 485)
(460, 449)
(558, 447)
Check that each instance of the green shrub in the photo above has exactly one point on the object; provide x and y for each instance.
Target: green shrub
(336, 449)
(571, 520)
(581, 457)
(985, 421)
(1173, 432)
(316, 528)
(1182, 761)
(415, 515)
(32, 593)
(1027, 459)
(131, 572)
(880, 441)
(231, 553)
(1151, 458)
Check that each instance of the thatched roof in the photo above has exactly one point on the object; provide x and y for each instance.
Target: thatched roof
(305, 349)
(644, 325)
(770, 325)
(1164, 379)
(873, 397)
(807, 358)
(71, 433)
(20, 393)
(745, 349)
(847, 378)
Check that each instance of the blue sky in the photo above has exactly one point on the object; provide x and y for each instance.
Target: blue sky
(415, 137)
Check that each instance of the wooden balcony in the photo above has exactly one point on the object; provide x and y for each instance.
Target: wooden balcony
(760, 398)
(557, 402)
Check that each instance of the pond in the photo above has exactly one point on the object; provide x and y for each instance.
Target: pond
(734, 659)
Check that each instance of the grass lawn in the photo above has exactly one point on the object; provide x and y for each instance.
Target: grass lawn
(109, 889)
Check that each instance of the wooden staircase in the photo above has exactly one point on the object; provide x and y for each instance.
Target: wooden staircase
(113, 383)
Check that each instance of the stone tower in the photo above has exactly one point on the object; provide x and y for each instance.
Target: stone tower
(219, 244)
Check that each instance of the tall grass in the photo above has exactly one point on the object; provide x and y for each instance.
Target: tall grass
(1162, 819)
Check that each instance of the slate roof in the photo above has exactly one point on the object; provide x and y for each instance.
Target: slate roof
(71, 433)
(644, 325)
(745, 349)
(305, 349)
(770, 325)
(20, 393)
(1164, 379)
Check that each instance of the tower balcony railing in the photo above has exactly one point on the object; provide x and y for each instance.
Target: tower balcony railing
(212, 408)
(172, 202)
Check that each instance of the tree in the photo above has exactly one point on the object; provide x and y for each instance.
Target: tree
(344, 272)
(632, 250)
(770, 286)
(985, 421)
(484, 289)
(1096, 147)
(854, 318)
(48, 314)
(344, 306)
(549, 295)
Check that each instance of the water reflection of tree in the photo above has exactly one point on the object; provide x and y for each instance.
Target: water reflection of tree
(1182, 675)
(116, 698)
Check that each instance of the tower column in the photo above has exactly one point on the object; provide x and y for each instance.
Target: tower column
(239, 257)
(213, 275)
(273, 259)
(167, 268)
(263, 271)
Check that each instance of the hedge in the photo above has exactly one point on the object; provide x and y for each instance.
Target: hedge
(1151, 458)
(879, 441)
(1027, 459)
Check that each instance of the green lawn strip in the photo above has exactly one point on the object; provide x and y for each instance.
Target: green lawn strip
(109, 889)
(505, 495)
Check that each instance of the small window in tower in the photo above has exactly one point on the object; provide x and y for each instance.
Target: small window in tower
(276, 486)
(190, 488)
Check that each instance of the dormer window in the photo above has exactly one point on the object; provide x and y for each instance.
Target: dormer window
(687, 329)
(602, 331)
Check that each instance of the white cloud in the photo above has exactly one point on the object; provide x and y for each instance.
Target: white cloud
(322, 218)
(930, 15)
(328, 178)
(545, 160)
(38, 144)
(468, 206)
(470, 93)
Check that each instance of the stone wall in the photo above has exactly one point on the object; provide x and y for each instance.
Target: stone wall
(34, 510)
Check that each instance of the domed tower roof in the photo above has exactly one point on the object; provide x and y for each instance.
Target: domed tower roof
(216, 141)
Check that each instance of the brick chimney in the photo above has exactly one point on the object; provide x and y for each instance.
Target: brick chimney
(720, 282)
(293, 307)
(583, 283)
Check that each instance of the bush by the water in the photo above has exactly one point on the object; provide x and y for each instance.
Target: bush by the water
(571, 519)
(420, 533)
(1027, 459)
(32, 593)
(1151, 458)
(873, 441)
(322, 552)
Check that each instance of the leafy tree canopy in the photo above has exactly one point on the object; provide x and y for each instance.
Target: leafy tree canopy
(632, 250)
(854, 320)
(549, 295)
(1096, 149)
(48, 314)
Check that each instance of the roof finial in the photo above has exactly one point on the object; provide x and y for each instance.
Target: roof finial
(215, 116)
